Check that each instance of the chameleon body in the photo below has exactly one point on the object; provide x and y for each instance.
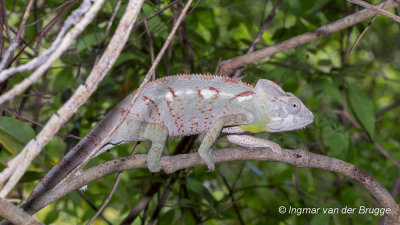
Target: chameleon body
(188, 105)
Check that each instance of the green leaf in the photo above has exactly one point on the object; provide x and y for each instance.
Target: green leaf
(14, 134)
(197, 187)
(362, 107)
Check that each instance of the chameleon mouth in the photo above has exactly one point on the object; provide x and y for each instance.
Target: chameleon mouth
(287, 124)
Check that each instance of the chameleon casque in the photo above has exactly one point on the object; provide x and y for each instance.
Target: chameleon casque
(187, 105)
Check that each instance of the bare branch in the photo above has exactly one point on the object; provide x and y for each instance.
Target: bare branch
(376, 9)
(19, 164)
(86, 11)
(228, 66)
(15, 214)
(170, 164)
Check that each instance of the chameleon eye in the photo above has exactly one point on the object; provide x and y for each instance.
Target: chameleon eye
(293, 106)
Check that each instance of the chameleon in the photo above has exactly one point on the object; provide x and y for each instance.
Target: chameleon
(188, 105)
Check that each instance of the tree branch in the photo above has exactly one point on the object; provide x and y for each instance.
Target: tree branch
(376, 9)
(228, 66)
(170, 164)
(15, 214)
(17, 167)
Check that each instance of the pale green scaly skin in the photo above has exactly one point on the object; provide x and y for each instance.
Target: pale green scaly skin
(187, 105)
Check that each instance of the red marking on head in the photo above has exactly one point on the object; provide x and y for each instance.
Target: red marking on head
(172, 92)
(273, 100)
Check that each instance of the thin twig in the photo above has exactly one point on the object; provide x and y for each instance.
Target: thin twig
(375, 9)
(231, 192)
(258, 37)
(62, 41)
(162, 201)
(151, 49)
(155, 13)
(107, 199)
(92, 206)
(109, 24)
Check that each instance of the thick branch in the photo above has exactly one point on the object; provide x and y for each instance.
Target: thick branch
(15, 214)
(228, 66)
(170, 164)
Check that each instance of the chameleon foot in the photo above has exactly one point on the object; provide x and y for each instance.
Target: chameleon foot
(206, 156)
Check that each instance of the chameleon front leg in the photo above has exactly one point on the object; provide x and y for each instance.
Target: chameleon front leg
(213, 133)
(158, 135)
(250, 141)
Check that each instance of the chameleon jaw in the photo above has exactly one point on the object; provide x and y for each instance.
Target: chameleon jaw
(290, 122)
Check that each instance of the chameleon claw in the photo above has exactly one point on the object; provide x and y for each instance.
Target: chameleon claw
(211, 167)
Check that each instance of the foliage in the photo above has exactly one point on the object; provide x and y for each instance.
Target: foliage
(325, 74)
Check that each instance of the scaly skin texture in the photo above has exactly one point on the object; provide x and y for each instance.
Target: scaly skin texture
(188, 105)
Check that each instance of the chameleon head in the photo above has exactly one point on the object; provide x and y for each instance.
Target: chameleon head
(284, 110)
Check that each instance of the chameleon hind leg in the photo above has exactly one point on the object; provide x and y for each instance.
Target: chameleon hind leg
(158, 135)
(135, 130)
(213, 133)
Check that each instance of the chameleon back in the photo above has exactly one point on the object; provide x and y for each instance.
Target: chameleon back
(189, 105)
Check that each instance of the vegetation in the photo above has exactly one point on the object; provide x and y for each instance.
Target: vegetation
(350, 80)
